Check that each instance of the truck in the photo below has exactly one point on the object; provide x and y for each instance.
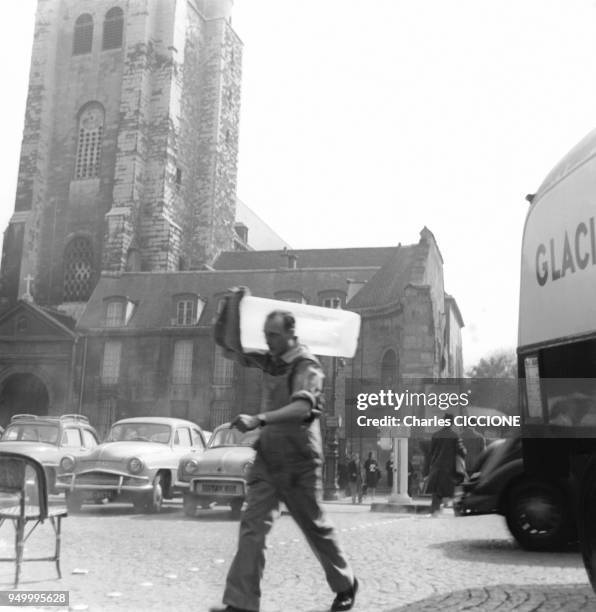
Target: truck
(557, 340)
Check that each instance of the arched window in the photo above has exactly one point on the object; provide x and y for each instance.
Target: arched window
(78, 270)
(83, 35)
(113, 27)
(89, 142)
(389, 370)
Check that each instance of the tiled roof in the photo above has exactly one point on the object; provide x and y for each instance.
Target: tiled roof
(153, 292)
(387, 284)
(306, 258)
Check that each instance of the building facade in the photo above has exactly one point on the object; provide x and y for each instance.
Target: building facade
(127, 232)
(148, 335)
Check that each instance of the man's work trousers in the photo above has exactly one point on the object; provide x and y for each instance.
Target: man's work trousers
(301, 493)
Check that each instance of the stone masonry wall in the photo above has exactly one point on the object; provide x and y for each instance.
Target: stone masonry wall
(77, 207)
(208, 141)
(32, 187)
(131, 174)
(159, 233)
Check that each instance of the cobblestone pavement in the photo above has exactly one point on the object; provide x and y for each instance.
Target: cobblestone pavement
(114, 559)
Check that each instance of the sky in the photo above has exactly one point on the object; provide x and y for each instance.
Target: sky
(363, 122)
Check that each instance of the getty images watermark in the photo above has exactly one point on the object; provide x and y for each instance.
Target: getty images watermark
(392, 400)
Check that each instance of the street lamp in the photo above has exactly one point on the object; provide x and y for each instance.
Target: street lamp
(331, 490)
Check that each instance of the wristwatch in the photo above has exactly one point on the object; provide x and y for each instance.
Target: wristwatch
(262, 421)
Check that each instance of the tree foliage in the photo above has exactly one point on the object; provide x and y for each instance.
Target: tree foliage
(494, 382)
(500, 364)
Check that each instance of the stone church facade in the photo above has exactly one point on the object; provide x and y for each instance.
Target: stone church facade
(126, 234)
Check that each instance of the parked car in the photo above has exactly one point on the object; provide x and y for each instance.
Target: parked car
(49, 439)
(219, 474)
(538, 513)
(138, 463)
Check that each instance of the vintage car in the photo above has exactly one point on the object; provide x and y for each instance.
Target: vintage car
(49, 439)
(538, 513)
(219, 474)
(138, 463)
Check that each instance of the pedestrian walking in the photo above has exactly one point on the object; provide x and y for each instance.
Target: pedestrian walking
(372, 475)
(355, 478)
(389, 468)
(287, 466)
(475, 443)
(446, 446)
(342, 475)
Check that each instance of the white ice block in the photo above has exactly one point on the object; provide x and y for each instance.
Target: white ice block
(326, 331)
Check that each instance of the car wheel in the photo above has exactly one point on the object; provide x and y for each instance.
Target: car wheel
(236, 506)
(152, 501)
(538, 516)
(587, 520)
(190, 506)
(74, 502)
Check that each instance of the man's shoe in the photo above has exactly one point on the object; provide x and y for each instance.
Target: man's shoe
(229, 609)
(346, 599)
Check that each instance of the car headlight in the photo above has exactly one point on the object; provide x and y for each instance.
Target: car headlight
(190, 466)
(135, 465)
(67, 463)
(246, 468)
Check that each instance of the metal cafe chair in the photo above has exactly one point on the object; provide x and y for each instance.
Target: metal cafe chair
(24, 498)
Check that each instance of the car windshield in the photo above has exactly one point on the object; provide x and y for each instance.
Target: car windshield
(143, 432)
(227, 436)
(32, 432)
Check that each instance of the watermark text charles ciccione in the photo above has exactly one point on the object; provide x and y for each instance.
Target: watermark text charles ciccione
(394, 401)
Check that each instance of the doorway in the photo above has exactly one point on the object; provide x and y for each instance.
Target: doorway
(22, 393)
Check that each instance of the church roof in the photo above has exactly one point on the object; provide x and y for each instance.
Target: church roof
(387, 284)
(153, 292)
(305, 258)
(384, 272)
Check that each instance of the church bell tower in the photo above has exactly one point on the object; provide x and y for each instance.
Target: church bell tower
(129, 152)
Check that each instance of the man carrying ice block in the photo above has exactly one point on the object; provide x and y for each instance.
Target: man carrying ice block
(288, 462)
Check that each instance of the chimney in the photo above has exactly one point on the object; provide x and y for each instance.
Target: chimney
(292, 259)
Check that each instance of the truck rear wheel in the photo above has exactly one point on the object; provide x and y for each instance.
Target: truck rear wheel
(538, 516)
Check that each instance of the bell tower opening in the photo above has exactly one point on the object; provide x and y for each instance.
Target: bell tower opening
(22, 393)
